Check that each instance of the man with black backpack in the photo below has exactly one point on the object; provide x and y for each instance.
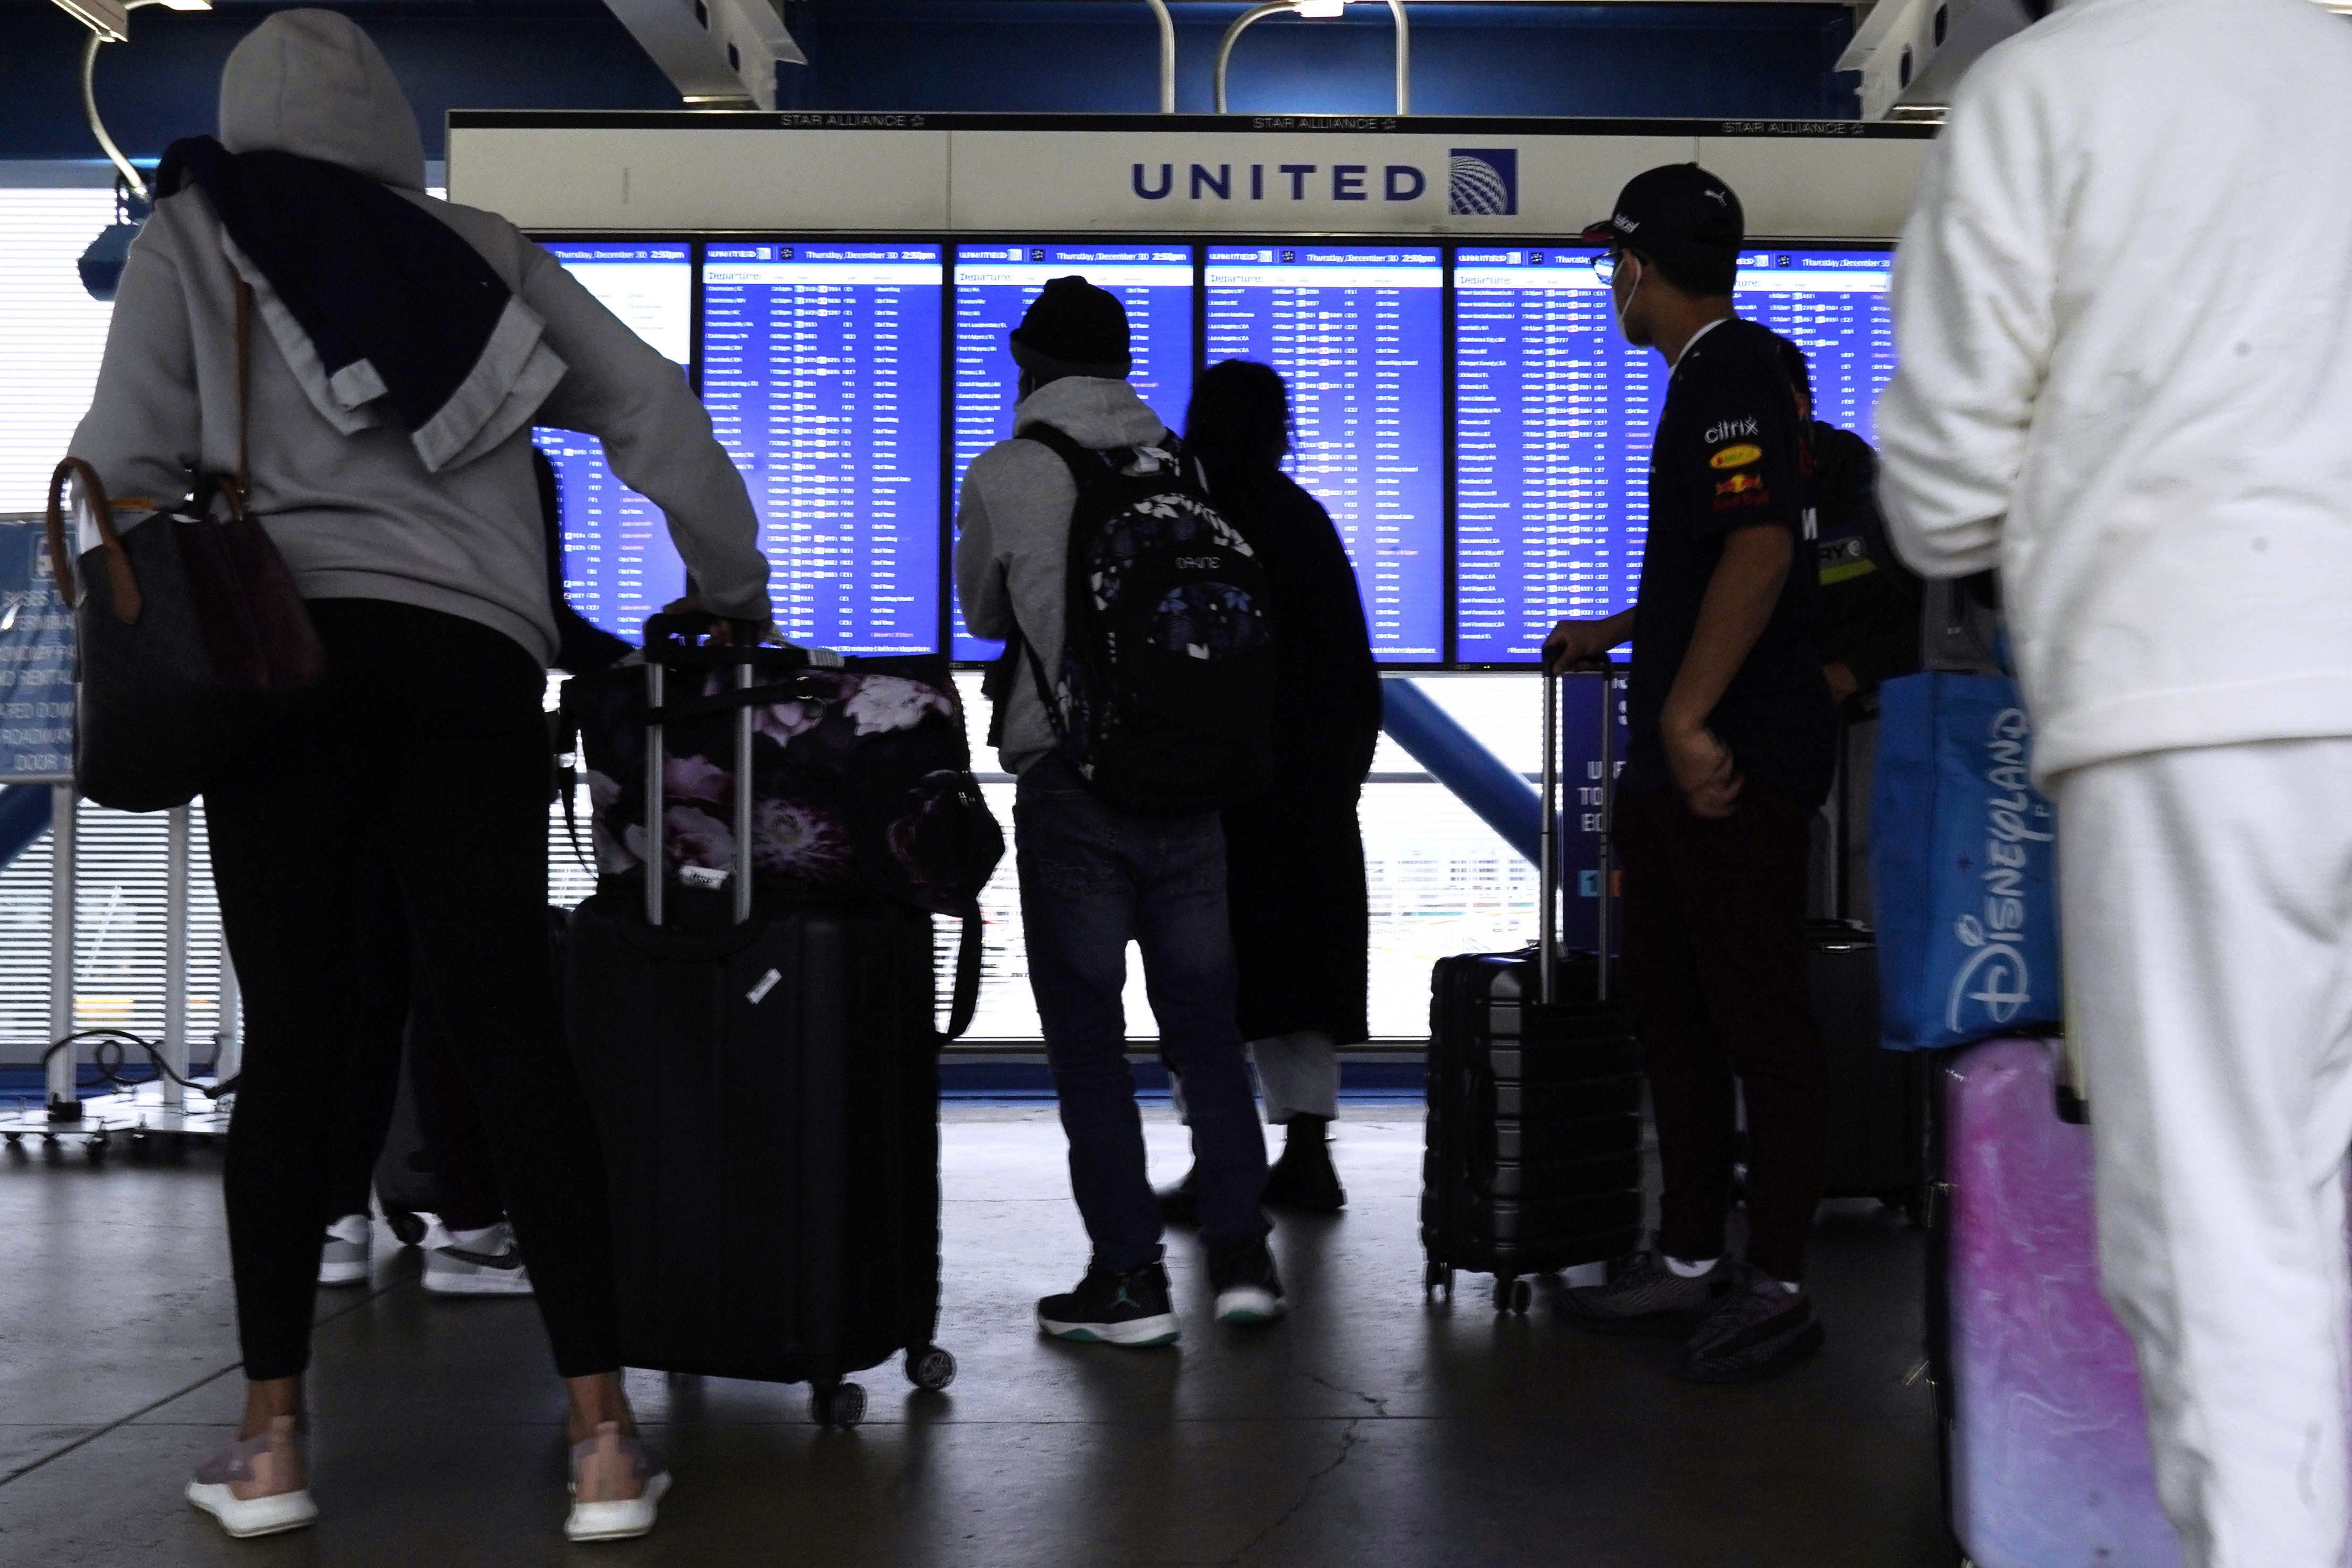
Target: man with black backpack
(1133, 702)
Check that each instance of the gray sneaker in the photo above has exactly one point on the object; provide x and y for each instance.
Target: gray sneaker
(1761, 1330)
(486, 1264)
(1645, 1297)
(343, 1261)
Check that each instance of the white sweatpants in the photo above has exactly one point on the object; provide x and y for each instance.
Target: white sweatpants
(2208, 918)
(1299, 1075)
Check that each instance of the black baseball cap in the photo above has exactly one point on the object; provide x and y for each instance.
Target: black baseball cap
(1074, 329)
(1676, 211)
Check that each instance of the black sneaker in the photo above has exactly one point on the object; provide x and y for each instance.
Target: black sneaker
(1303, 1179)
(1761, 1330)
(1180, 1204)
(1248, 1290)
(1645, 1297)
(1128, 1309)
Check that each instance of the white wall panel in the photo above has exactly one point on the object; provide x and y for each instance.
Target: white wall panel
(689, 178)
(1824, 187)
(672, 178)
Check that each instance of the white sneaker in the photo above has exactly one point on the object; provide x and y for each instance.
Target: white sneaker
(475, 1262)
(256, 1486)
(617, 1485)
(344, 1261)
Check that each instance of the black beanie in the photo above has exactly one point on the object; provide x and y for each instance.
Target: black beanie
(1072, 329)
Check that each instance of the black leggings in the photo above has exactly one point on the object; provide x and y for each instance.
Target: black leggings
(395, 1026)
(428, 745)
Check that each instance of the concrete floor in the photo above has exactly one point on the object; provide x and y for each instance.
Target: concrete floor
(1370, 1428)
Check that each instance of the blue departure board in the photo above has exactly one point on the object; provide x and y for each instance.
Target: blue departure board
(1832, 303)
(1554, 413)
(994, 283)
(820, 370)
(619, 564)
(1358, 333)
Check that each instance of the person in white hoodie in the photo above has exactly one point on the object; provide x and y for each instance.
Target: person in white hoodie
(400, 350)
(2122, 307)
(1094, 878)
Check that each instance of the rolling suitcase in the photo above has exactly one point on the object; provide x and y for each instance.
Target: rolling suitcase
(1533, 1161)
(1877, 1111)
(2046, 1457)
(764, 1074)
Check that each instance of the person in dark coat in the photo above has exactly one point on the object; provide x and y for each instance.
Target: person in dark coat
(1295, 855)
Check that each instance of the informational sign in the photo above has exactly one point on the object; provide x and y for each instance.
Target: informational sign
(619, 564)
(37, 661)
(820, 370)
(1359, 334)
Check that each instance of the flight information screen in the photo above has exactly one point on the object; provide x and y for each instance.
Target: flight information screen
(1554, 412)
(1832, 305)
(1359, 333)
(820, 370)
(995, 283)
(619, 564)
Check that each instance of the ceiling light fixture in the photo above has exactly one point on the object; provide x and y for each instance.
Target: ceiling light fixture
(1322, 10)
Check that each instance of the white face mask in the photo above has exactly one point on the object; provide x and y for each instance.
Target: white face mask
(1630, 292)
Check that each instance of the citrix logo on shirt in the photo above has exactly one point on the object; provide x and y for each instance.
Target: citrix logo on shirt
(1728, 430)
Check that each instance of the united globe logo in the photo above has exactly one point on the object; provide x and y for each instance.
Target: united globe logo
(1483, 183)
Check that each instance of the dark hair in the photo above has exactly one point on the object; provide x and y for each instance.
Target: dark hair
(1703, 272)
(1792, 360)
(1239, 417)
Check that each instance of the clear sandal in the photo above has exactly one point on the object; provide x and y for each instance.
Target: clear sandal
(616, 1484)
(257, 1485)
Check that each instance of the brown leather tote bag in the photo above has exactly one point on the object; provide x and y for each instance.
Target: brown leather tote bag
(192, 642)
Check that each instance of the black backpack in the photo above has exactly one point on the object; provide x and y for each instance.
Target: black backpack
(1164, 703)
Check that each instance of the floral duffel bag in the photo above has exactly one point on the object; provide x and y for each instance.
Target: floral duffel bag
(861, 779)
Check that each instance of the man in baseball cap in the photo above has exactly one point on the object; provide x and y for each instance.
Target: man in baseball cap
(1734, 740)
(1685, 221)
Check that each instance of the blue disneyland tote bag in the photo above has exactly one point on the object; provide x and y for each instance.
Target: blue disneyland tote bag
(1963, 864)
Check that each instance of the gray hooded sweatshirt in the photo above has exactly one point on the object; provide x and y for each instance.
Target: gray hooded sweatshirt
(1012, 534)
(344, 493)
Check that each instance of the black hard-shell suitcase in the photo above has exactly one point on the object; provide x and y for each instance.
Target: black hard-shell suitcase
(1877, 1098)
(765, 1073)
(1533, 1162)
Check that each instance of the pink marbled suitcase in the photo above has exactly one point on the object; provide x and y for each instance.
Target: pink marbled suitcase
(2047, 1452)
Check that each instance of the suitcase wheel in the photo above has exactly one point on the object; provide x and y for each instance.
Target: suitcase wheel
(928, 1366)
(1513, 1294)
(407, 1227)
(1437, 1279)
(838, 1404)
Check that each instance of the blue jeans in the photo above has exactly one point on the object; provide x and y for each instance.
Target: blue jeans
(1092, 880)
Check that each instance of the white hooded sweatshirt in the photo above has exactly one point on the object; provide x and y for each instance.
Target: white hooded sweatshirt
(2123, 309)
(344, 493)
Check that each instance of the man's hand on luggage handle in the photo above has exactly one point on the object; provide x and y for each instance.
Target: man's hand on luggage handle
(1580, 644)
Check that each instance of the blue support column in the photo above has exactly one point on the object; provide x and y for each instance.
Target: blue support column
(1503, 799)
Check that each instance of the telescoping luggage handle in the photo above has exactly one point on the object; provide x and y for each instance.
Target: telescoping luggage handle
(657, 752)
(1547, 843)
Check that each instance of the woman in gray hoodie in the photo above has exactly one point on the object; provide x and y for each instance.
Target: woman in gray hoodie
(394, 379)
